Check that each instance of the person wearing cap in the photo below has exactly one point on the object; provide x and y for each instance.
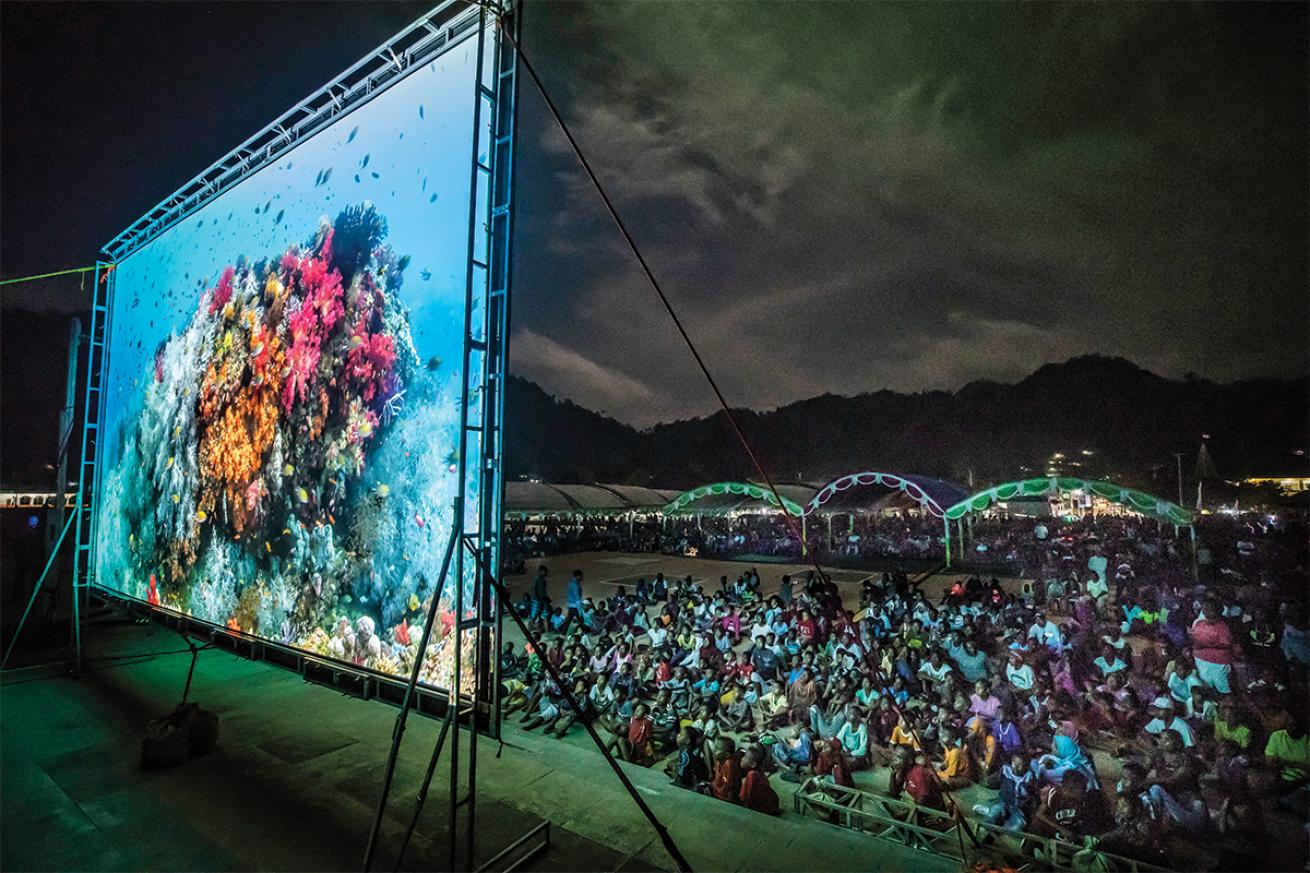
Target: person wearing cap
(1164, 718)
(1019, 674)
(1044, 632)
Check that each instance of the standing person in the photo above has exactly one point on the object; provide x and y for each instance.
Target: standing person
(1212, 647)
(573, 601)
(540, 598)
(785, 591)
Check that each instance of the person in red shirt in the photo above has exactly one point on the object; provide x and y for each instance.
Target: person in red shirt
(830, 761)
(913, 775)
(756, 793)
(726, 784)
(806, 628)
(640, 732)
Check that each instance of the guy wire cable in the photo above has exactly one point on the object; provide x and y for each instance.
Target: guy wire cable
(691, 346)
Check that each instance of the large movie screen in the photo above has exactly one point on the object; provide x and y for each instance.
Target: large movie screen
(283, 388)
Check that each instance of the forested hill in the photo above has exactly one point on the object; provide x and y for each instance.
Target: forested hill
(1131, 420)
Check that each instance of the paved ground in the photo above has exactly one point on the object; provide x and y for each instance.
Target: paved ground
(604, 572)
(294, 781)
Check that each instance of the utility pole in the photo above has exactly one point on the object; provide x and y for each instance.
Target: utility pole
(1179, 457)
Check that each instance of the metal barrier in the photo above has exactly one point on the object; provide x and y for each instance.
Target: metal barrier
(938, 831)
(524, 855)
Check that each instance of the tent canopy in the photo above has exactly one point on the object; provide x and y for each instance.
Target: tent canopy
(1138, 501)
(542, 498)
(720, 498)
(870, 488)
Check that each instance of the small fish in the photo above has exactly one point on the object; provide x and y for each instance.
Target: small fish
(170, 461)
(302, 494)
(403, 262)
(375, 175)
(364, 163)
(287, 470)
(177, 499)
(278, 217)
(356, 341)
(327, 174)
(200, 515)
(353, 133)
(425, 274)
(432, 199)
(357, 177)
(418, 519)
(420, 110)
(268, 547)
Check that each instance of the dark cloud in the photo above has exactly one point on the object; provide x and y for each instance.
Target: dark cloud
(848, 197)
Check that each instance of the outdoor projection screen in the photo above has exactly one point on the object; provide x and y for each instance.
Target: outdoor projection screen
(284, 388)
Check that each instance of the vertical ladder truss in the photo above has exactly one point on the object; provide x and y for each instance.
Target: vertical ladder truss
(485, 353)
(487, 319)
(88, 471)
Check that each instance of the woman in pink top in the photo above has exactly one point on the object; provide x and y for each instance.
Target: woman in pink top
(1212, 647)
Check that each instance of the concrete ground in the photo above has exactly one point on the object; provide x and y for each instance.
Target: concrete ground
(295, 778)
(604, 572)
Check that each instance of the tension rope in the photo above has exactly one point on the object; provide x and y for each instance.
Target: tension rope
(788, 519)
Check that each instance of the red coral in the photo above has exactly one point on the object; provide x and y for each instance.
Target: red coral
(222, 291)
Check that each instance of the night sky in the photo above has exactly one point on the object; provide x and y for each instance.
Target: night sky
(838, 197)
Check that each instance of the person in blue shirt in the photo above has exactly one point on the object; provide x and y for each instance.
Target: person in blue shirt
(785, 591)
(573, 602)
(795, 752)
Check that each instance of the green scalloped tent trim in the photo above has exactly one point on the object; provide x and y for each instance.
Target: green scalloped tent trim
(1140, 501)
(745, 489)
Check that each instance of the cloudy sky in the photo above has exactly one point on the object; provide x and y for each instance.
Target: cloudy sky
(838, 197)
(848, 197)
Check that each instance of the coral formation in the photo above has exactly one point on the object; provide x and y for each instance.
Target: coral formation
(252, 485)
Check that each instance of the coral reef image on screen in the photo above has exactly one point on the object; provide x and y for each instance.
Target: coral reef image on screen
(283, 389)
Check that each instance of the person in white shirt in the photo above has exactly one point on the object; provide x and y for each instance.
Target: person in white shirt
(1109, 661)
(1098, 564)
(1044, 631)
(1164, 718)
(658, 633)
(854, 738)
(1019, 674)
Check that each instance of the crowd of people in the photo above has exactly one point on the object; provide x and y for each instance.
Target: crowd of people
(1114, 697)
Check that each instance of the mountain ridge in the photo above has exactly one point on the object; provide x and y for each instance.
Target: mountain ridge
(1131, 420)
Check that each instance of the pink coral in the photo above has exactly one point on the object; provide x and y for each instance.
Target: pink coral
(222, 291)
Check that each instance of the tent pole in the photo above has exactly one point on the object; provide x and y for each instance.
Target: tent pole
(1196, 570)
(947, 523)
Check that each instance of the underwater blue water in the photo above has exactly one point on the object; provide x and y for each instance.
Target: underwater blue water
(337, 544)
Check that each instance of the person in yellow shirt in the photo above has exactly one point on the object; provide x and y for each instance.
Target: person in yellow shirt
(1228, 727)
(957, 767)
(1288, 751)
(904, 733)
(985, 752)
